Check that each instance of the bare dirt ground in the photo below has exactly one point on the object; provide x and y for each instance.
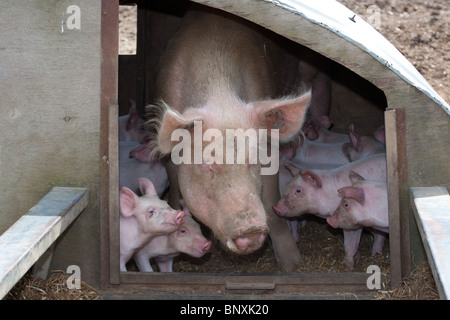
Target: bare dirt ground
(420, 31)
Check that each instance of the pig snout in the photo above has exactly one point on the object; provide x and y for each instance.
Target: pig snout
(249, 240)
(280, 209)
(332, 221)
(207, 247)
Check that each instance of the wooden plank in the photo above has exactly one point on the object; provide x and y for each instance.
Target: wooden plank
(113, 157)
(109, 80)
(42, 266)
(397, 186)
(431, 207)
(219, 285)
(26, 240)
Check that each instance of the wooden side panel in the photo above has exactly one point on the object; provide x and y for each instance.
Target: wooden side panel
(50, 115)
(431, 208)
(109, 79)
(397, 174)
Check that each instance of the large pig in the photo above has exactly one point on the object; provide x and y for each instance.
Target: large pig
(216, 72)
(364, 204)
(315, 192)
(187, 239)
(143, 218)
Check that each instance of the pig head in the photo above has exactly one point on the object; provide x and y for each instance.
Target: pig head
(364, 204)
(227, 196)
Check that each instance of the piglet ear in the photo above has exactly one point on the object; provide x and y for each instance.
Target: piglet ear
(132, 116)
(147, 187)
(127, 201)
(292, 168)
(380, 134)
(355, 139)
(355, 193)
(141, 153)
(355, 177)
(285, 114)
(311, 178)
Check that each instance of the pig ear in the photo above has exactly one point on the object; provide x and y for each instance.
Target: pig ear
(380, 134)
(171, 121)
(292, 168)
(355, 177)
(141, 153)
(132, 116)
(355, 193)
(354, 138)
(286, 115)
(127, 201)
(147, 187)
(311, 178)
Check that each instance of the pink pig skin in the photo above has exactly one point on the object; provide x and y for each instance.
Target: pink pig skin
(315, 191)
(143, 218)
(361, 147)
(135, 162)
(364, 204)
(317, 130)
(187, 239)
(218, 71)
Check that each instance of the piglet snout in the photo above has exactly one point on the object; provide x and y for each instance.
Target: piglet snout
(332, 222)
(207, 247)
(280, 210)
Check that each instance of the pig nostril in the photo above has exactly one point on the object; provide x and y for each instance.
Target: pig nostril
(250, 241)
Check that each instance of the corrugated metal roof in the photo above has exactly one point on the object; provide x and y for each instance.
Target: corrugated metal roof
(335, 17)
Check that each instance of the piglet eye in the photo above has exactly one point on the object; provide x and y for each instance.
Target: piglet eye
(298, 191)
(182, 230)
(151, 211)
(346, 204)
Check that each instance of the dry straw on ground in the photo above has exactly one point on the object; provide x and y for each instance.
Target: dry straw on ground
(55, 288)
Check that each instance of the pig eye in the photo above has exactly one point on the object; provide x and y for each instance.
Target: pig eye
(298, 191)
(182, 230)
(346, 205)
(151, 211)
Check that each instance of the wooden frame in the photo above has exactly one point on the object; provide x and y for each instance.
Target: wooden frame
(225, 283)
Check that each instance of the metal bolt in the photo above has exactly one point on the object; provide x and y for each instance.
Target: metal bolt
(353, 18)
